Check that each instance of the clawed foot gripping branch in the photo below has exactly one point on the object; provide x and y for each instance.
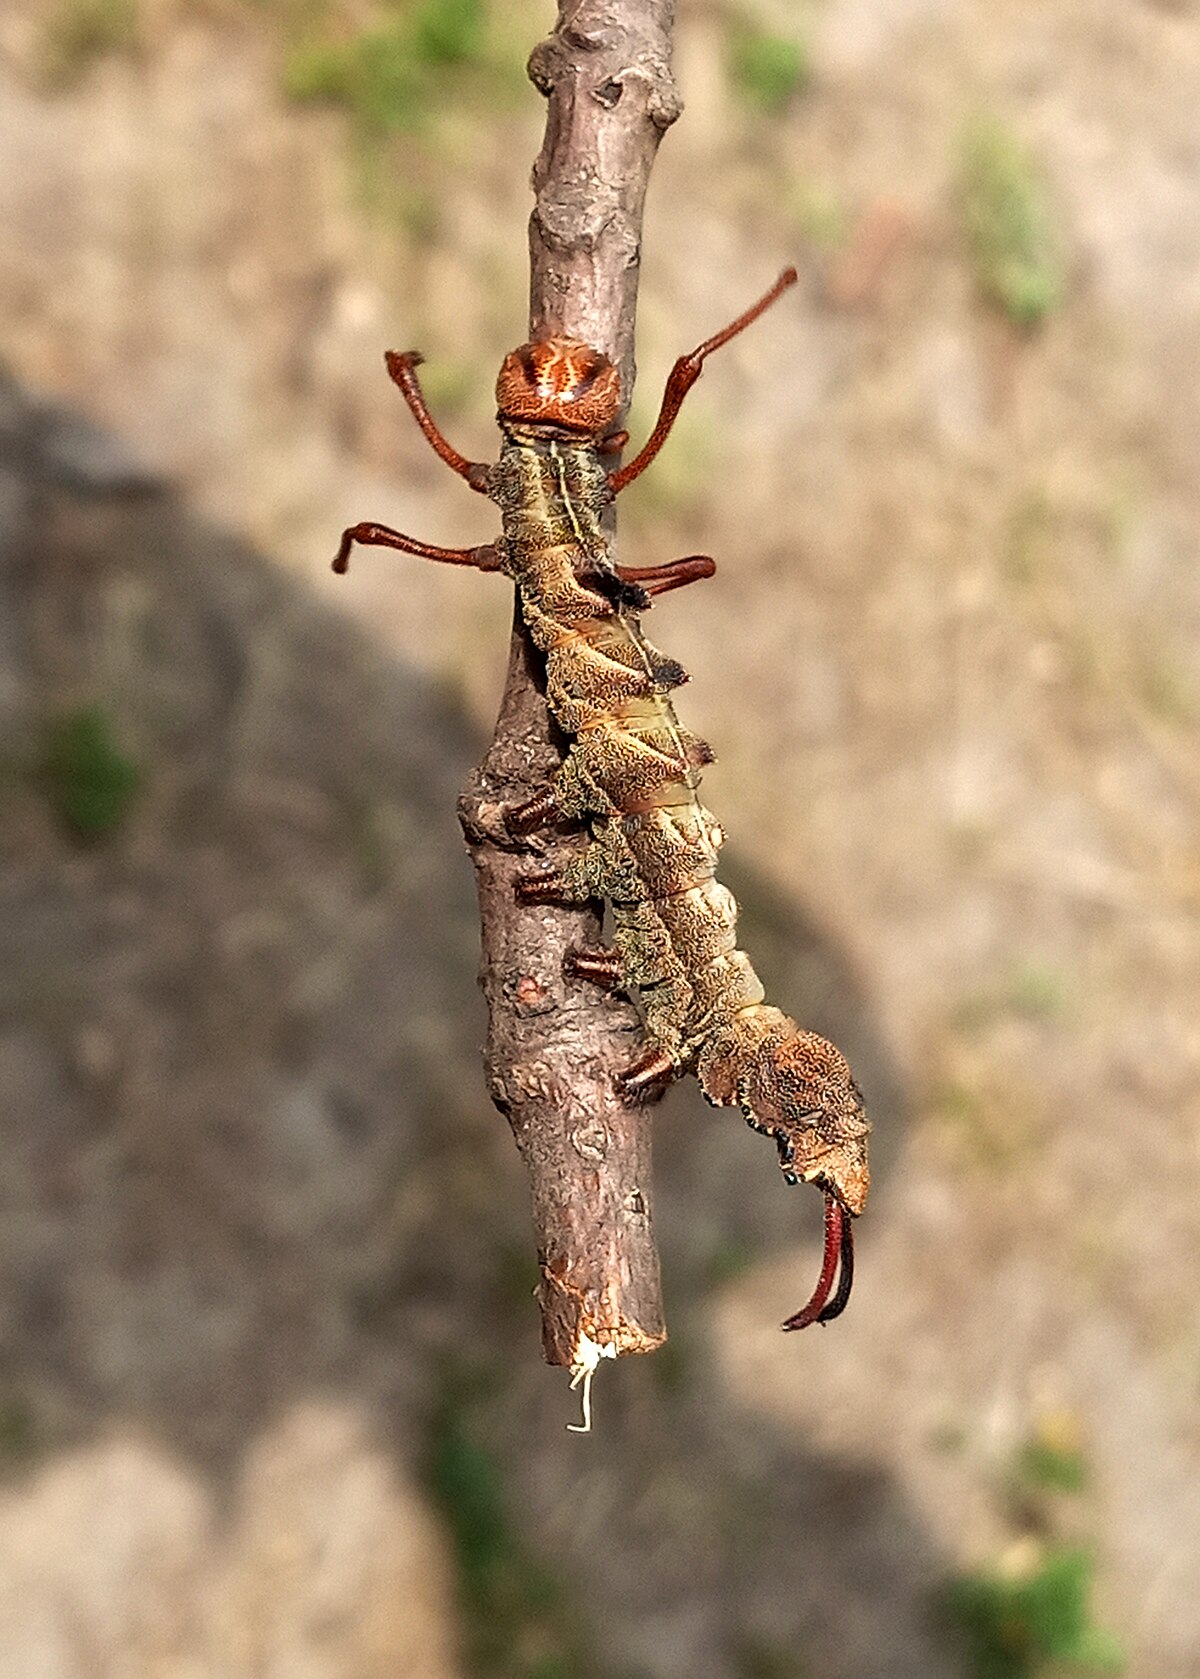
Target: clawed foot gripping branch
(632, 771)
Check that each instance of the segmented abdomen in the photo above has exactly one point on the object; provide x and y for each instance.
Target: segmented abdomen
(632, 772)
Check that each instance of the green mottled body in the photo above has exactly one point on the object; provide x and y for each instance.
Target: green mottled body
(632, 773)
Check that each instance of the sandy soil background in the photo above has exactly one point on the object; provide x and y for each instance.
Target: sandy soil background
(270, 1399)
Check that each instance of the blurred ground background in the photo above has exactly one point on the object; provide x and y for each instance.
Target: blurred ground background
(270, 1396)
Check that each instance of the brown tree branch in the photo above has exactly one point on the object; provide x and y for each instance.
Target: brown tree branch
(555, 1046)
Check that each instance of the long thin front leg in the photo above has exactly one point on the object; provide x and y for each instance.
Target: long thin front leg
(659, 579)
(402, 368)
(684, 375)
(486, 558)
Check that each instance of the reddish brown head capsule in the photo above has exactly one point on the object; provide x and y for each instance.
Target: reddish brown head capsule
(559, 382)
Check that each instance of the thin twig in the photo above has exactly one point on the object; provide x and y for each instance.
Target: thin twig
(554, 1047)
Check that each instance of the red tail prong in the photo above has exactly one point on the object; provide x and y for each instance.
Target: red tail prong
(841, 1299)
(836, 1221)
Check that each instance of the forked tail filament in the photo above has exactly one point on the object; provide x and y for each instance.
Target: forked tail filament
(839, 1247)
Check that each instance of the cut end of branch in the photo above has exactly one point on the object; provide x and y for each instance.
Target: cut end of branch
(572, 1322)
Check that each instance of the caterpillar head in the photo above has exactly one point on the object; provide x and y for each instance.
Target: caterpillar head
(800, 1091)
(561, 382)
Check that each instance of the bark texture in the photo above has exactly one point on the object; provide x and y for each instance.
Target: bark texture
(555, 1046)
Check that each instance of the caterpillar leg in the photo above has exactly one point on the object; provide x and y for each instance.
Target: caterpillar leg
(402, 370)
(602, 967)
(547, 888)
(684, 375)
(648, 1076)
(660, 579)
(486, 558)
(595, 872)
(541, 811)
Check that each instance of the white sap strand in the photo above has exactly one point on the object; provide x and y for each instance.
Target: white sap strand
(588, 1354)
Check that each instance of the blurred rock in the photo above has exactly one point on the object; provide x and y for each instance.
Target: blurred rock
(116, 1562)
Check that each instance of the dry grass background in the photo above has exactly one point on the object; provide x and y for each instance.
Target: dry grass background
(950, 666)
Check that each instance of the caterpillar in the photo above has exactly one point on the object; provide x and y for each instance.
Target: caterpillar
(632, 771)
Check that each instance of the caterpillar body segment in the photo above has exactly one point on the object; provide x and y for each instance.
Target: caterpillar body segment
(632, 774)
